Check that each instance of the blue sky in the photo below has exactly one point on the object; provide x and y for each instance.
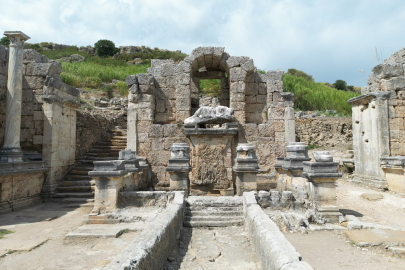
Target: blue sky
(329, 40)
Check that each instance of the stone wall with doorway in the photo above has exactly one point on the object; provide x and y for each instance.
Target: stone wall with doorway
(161, 99)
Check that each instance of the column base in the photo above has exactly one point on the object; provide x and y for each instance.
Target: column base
(11, 155)
(328, 214)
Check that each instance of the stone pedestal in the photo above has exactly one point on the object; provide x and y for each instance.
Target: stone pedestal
(11, 151)
(112, 177)
(394, 172)
(323, 174)
(179, 167)
(246, 168)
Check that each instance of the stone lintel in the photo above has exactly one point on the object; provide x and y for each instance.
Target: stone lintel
(18, 34)
(369, 96)
(323, 177)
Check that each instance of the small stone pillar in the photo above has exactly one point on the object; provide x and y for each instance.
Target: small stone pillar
(179, 167)
(323, 174)
(11, 151)
(112, 177)
(246, 168)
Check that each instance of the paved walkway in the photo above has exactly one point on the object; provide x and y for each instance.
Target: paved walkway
(211, 249)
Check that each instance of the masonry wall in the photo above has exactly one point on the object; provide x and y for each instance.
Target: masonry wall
(325, 131)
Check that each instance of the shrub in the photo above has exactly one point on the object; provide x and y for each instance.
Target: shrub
(122, 87)
(5, 41)
(340, 84)
(109, 90)
(299, 73)
(46, 45)
(105, 48)
(261, 71)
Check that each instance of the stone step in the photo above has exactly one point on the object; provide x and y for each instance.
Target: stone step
(199, 213)
(75, 188)
(213, 218)
(88, 159)
(77, 183)
(80, 172)
(211, 201)
(112, 143)
(104, 150)
(74, 195)
(124, 138)
(193, 224)
(82, 168)
(98, 147)
(77, 200)
(214, 209)
(78, 177)
(77, 205)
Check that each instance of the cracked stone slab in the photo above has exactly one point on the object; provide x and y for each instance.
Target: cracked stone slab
(376, 237)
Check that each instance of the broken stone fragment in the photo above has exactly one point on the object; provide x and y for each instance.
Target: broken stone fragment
(322, 156)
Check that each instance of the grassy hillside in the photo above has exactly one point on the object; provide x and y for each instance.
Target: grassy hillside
(311, 96)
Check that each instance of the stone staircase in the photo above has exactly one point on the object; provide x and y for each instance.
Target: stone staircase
(209, 211)
(77, 188)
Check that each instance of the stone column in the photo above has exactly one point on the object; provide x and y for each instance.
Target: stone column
(179, 167)
(246, 168)
(11, 151)
(323, 174)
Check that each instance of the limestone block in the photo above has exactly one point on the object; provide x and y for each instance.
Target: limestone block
(3, 81)
(27, 96)
(32, 82)
(396, 84)
(159, 174)
(182, 91)
(240, 116)
(387, 71)
(248, 66)
(252, 89)
(3, 67)
(156, 131)
(145, 79)
(32, 55)
(248, 132)
(131, 80)
(238, 106)
(250, 100)
(160, 106)
(256, 117)
(184, 67)
(262, 88)
(255, 108)
(183, 104)
(143, 137)
(183, 79)
(233, 61)
(181, 116)
(275, 74)
(278, 124)
(41, 69)
(391, 112)
(250, 77)
(274, 86)
(173, 130)
(237, 97)
(237, 74)
(146, 114)
(276, 113)
(262, 99)
(238, 87)
(266, 130)
(144, 89)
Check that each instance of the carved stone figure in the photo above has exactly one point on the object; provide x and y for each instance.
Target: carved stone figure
(211, 115)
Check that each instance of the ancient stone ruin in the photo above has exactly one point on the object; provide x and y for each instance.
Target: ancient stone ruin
(172, 163)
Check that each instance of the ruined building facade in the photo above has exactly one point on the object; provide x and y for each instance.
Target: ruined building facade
(162, 98)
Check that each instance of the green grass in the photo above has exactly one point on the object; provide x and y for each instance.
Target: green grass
(311, 96)
(4, 232)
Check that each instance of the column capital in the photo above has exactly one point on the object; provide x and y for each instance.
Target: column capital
(17, 38)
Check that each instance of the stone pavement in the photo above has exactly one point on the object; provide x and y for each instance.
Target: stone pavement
(216, 248)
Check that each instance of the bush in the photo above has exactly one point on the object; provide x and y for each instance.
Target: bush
(5, 41)
(109, 90)
(299, 73)
(105, 48)
(122, 87)
(46, 45)
(340, 84)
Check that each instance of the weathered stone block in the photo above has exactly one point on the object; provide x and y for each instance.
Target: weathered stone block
(238, 106)
(145, 79)
(262, 88)
(240, 116)
(156, 131)
(266, 130)
(237, 74)
(237, 97)
(278, 125)
(183, 79)
(183, 104)
(238, 87)
(250, 99)
(233, 61)
(181, 116)
(131, 80)
(144, 89)
(255, 108)
(173, 130)
(252, 89)
(248, 66)
(275, 74)
(41, 69)
(31, 82)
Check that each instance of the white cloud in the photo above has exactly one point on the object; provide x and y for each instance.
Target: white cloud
(327, 39)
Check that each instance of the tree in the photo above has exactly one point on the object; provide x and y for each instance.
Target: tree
(5, 41)
(105, 48)
(340, 84)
